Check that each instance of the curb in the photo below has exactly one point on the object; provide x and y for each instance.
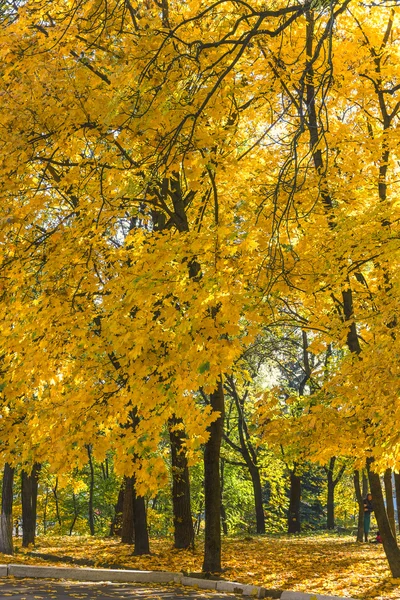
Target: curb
(162, 577)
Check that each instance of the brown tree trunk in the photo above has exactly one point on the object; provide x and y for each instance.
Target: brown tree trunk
(29, 491)
(294, 525)
(365, 484)
(397, 486)
(332, 483)
(330, 503)
(76, 513)
(141, 533)
(127, 532)
(55, 494)
(183, 522)
(258, 501)
(6, 523)
(223, 511)
(116, 523)
(387, 479)
(389, 541)
(212, 491)
(46, 501)
(360, 502)
(248, 452)
(91, 491)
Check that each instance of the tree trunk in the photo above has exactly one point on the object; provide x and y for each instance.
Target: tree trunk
(294, 503)
(397, 486)
(56, 502)
(223, 511)
(127, 532)
(140, 525)
(116, 523)
(29, 491)
(360, 502)
(183, 522)
(45, 511)
(198, 520)
(389, 541)
(387, 479)
(212, 491)
(75, 514)
(365, 484)
(258, 500)
(6, 523)
(330, 504)
(91, 491)
(332, 483)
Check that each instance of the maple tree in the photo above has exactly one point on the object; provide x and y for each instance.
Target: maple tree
(175, 179)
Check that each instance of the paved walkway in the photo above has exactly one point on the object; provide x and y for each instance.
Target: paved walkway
(32, 589)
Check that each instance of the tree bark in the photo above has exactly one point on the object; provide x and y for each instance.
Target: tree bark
(45, 511)
(248, 452)
(29, 491)
(141, 533)
(91, 491)
(330, 504)
(294, 525)
(360, 502)
(55, 494)
(212, 491)
(223, 511)
(76, 513)
(127, 532)
(397, 486)
(6, 523)
(182, 511)
(258, 500)
(387, 479)
(116, 523)
(389, 541)
(332, 483)
(364, 484)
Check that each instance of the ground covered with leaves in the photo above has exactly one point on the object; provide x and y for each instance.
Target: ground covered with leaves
(327, 565)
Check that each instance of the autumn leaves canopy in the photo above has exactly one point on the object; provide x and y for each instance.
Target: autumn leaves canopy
(175, 179)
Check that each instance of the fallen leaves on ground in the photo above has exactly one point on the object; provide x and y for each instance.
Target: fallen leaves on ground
(317, 564)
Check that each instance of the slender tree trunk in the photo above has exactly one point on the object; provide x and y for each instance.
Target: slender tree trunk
(6, 523)
(76, 514)
(141, 534)
(183, 522)
(387, 479)
(127, 513)
(258, 500)
(91, 491)
(360, 502)
(330, 505)
(365, 484)
(55, 494)
(332, 483)
(294, 504)
(223, 511)
(397, 486)
(45, 511)
(116, 523)
(29, 490)
(389, 541)
(212, 491)
(198, 520)
(248, 452)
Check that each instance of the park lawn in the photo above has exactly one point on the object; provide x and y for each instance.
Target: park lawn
(316, 563)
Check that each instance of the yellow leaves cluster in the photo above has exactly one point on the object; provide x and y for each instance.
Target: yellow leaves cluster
(102, 307)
